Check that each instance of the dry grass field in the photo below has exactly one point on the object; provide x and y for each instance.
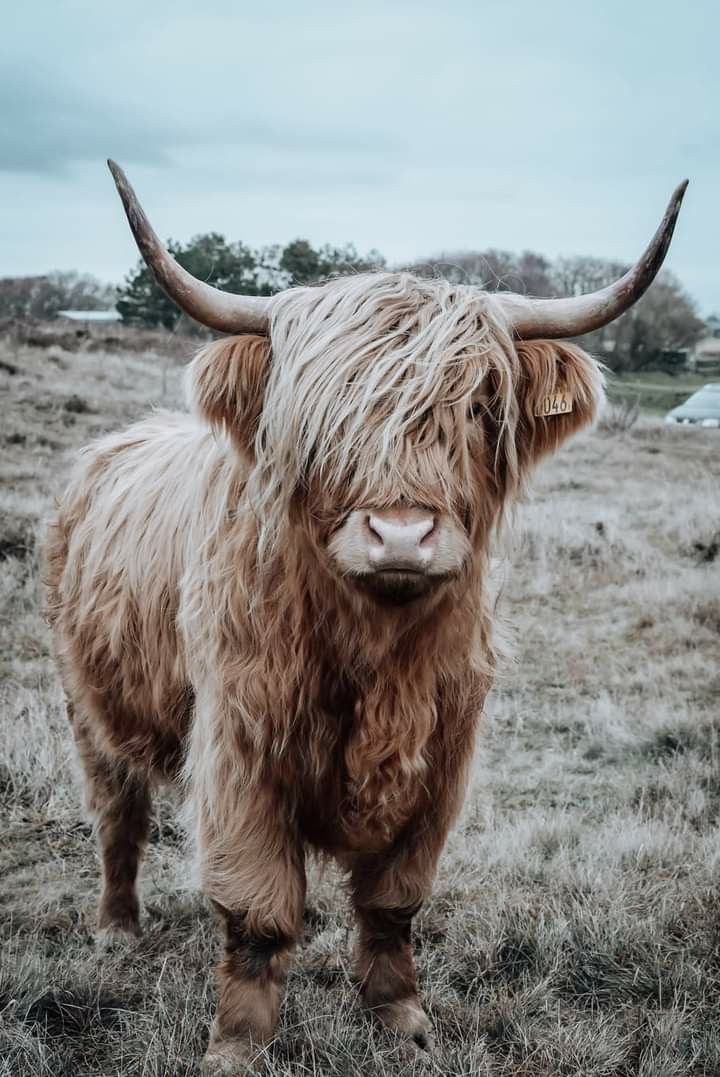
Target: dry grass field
(575, 924)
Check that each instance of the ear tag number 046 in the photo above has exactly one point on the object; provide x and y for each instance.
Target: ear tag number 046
(558, 403)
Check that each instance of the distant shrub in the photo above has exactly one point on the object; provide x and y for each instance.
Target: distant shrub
(16, 539)
(619, 417)
(77, 405)
(707, 551)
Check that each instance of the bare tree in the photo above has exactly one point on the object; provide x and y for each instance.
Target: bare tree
(44, 296)
(662, 325)
(493, 269)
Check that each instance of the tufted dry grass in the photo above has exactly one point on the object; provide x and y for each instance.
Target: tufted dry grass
(575, 926)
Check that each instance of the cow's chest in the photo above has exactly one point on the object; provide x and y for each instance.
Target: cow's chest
(356, 790)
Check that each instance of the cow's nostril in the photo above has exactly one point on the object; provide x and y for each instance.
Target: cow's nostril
(431, 524)
(373, 527)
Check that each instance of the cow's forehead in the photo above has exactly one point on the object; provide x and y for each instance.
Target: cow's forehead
(372, 333)
(357, 362)
(397, 318)
(401, 293)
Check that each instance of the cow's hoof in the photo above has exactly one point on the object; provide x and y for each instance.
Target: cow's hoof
(112, 938)
(409, 1020)
(231, 1057)
(118, 919)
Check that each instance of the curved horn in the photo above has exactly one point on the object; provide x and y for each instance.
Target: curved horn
(533, 319)
(224, 311)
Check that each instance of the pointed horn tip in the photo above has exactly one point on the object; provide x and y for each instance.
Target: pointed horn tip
(119, 177)
(679, 192)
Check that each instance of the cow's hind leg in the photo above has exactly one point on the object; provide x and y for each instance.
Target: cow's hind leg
(119, 800)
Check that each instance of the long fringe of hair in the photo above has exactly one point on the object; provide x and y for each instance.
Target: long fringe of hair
(360, 363)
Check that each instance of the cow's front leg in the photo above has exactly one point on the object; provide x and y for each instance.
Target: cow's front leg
(387, 892)
(386, 970)
(389, 888)
(250, 979)
(386, 896)
(256, 880)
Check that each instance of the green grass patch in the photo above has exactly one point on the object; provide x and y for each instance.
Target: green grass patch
(656, 391)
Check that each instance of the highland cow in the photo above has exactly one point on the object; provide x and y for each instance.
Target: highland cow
(279, 600)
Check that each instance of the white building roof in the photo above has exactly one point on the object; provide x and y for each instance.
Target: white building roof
(708, 346)
(90, 315)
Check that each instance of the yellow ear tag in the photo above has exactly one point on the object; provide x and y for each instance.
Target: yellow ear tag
(559, 402)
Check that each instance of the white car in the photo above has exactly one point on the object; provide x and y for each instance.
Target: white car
(701, 409)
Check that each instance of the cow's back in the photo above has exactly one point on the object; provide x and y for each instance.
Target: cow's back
(117, 550)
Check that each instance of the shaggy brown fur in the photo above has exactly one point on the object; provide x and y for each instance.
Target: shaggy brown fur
(206, 634)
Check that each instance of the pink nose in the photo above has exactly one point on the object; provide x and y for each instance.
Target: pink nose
(401, 539)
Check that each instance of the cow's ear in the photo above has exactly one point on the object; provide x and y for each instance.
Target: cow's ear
(227, 385)
(560, 390)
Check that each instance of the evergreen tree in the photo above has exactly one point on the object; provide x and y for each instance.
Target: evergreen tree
(232, 267)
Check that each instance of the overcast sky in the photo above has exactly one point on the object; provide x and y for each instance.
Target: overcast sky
(554, 125)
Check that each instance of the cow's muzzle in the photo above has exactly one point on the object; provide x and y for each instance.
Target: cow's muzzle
(400, 547)
(399, 554)
(397, 587)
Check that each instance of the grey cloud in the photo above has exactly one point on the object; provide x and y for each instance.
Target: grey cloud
(45, 128)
